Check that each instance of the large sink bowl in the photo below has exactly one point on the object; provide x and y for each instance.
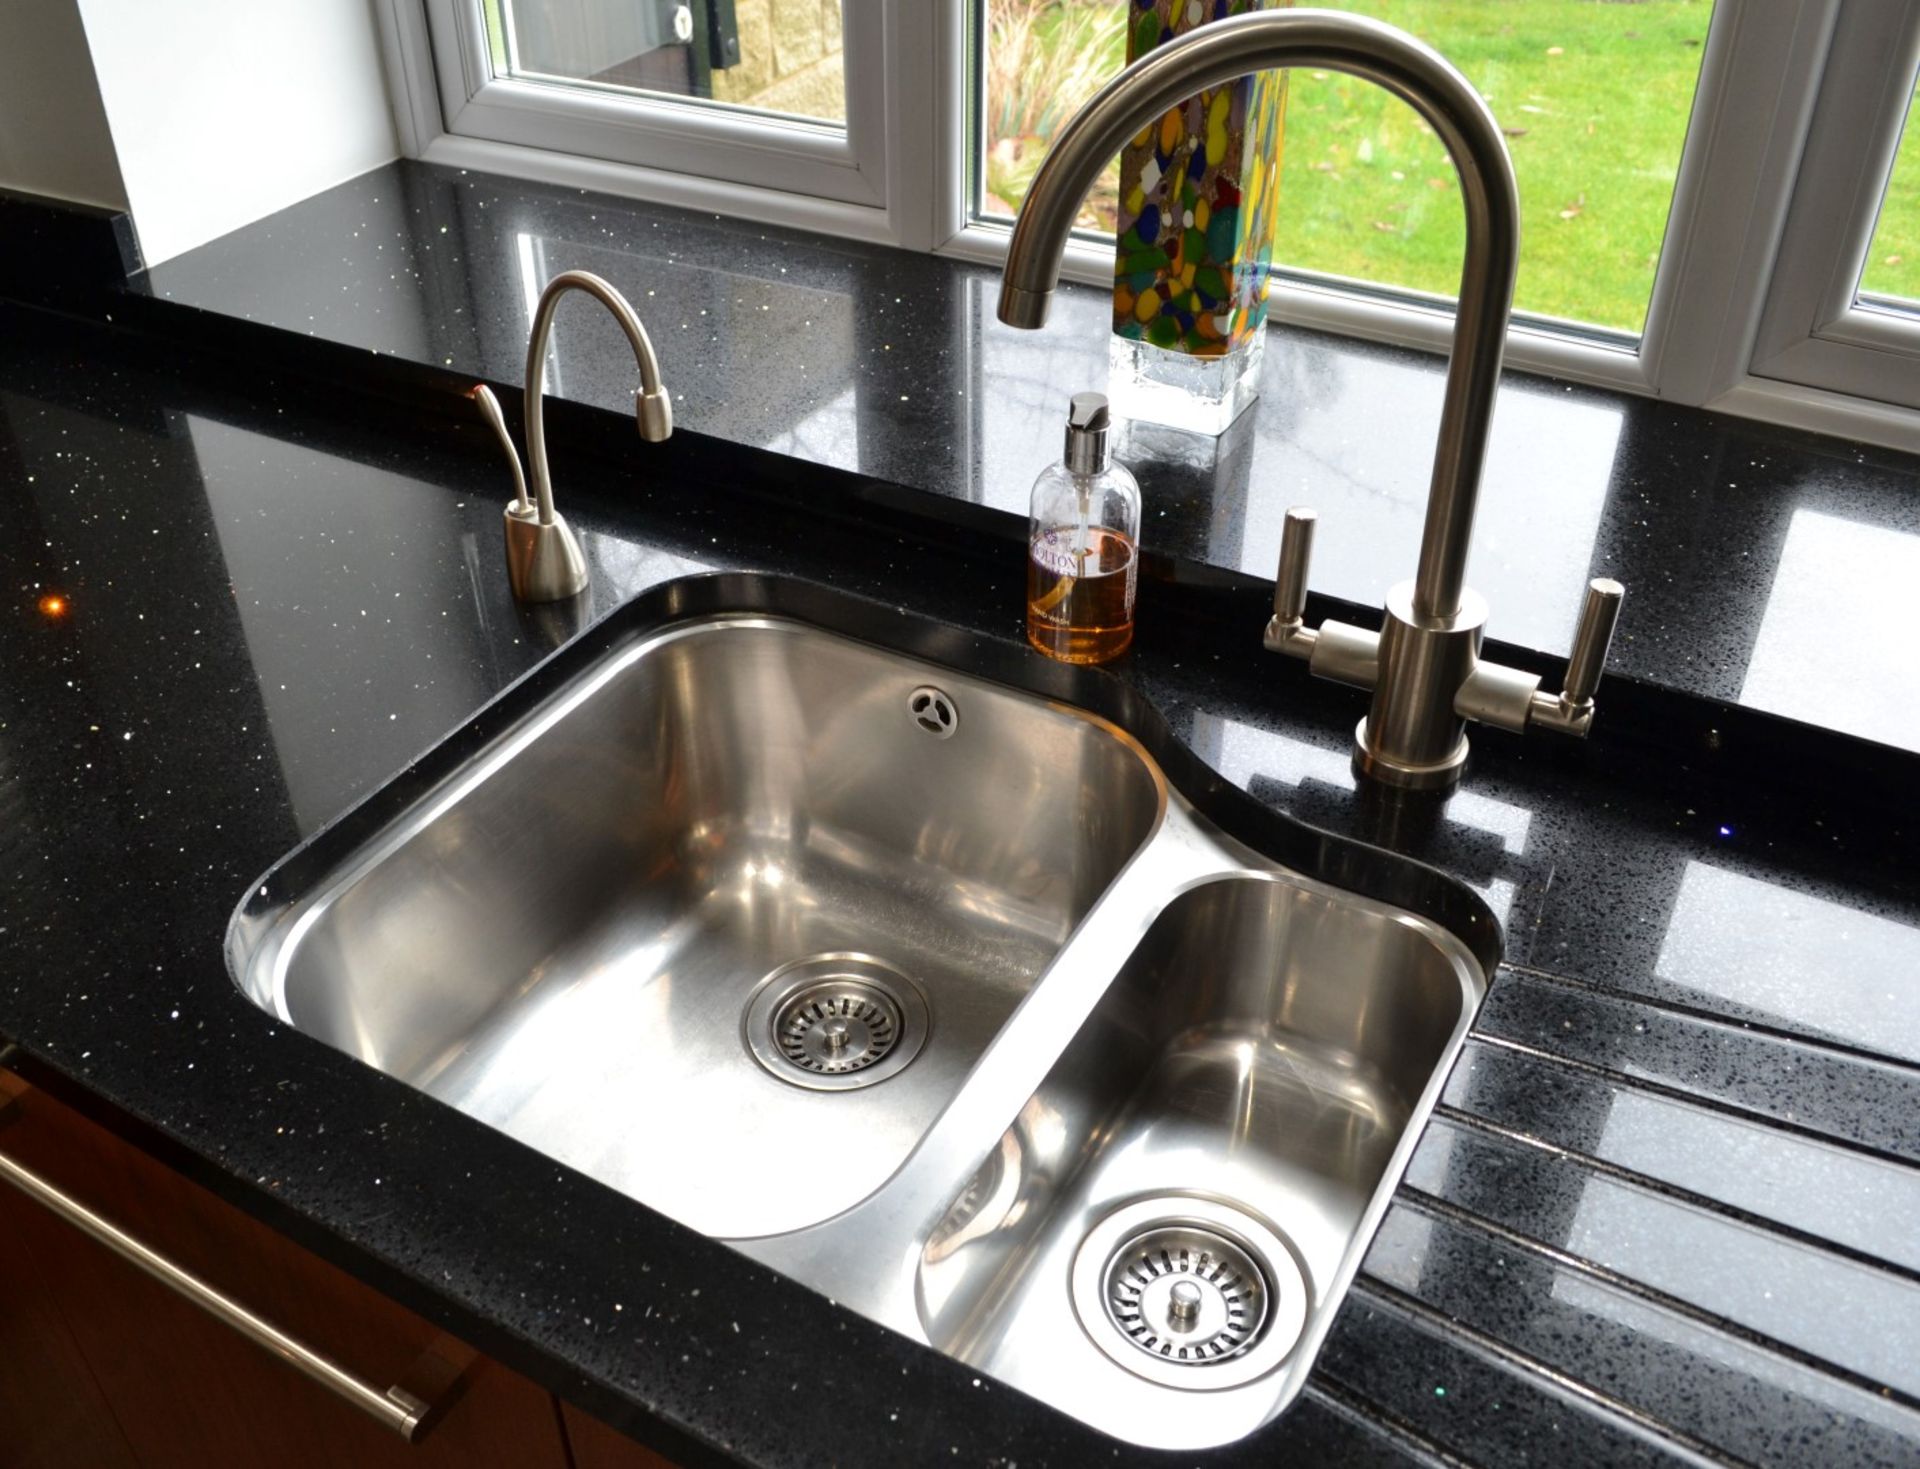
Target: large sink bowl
(725, 826)
(751, 860)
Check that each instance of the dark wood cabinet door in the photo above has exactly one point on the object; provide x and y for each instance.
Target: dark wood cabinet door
(596, 1446)
(173, 1386)
(52, 1413)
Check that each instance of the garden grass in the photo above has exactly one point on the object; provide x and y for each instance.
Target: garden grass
(1893, 257)
(1594, 98)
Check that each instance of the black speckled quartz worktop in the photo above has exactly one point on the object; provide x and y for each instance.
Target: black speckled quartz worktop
(1743, 548)
(1665, 1212)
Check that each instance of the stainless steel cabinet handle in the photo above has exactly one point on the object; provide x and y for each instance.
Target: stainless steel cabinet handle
(395, 1407)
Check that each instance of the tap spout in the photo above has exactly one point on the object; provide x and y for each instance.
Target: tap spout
(544, 559)
(652, 407)
(1223, 50)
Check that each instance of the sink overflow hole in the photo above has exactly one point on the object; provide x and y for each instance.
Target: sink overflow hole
(934, 711)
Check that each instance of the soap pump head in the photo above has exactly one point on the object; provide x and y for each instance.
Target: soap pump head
(1087, 451)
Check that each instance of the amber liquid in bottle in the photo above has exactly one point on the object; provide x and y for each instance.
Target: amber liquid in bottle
(1080, 602)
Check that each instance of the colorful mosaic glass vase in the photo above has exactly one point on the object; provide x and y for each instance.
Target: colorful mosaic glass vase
(1199, 196)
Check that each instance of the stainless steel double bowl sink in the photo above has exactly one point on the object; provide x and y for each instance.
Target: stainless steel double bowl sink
(937, 977)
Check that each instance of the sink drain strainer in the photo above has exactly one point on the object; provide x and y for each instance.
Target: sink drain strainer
(1189, 1292)
(835, 1022)
(1186, 1294)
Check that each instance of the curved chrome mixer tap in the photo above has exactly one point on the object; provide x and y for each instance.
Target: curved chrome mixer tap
(1424, 665)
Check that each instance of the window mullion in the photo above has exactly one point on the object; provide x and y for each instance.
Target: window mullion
(1842, 179)
(1760, 79)
(922, 83)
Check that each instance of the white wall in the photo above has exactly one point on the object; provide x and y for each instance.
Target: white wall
(223, 111)
(53, 128)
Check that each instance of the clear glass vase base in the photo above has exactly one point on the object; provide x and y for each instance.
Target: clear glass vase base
(1201, 395)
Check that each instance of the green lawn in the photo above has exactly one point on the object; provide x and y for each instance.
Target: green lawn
(1594, 98)
(1893, 257)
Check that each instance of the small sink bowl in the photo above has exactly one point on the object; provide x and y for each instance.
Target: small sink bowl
(737, 829)
(1204, 1163)
(1121, 1066)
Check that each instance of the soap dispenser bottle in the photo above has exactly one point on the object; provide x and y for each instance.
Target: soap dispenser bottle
(1082, 542)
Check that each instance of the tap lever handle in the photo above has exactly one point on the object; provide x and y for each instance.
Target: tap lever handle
(1296, 549)
(1598, 614)
(490, 410)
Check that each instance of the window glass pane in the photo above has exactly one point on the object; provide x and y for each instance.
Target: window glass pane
(1594, 99)
(1892, 271)
(775, 56)
(1039, 60)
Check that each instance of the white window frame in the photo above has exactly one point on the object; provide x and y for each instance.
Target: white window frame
(450, 109)
(1816, 329)
(755, 149)
(1743, 317)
